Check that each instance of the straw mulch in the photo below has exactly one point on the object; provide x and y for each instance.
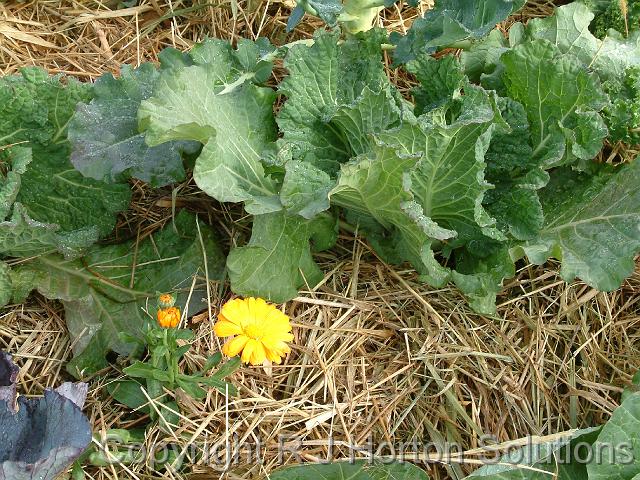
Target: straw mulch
(378, 357)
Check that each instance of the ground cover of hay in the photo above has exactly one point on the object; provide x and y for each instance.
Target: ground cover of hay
(377, 356)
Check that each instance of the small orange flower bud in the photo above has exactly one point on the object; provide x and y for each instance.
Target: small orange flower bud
(166, 300)
(169, 317)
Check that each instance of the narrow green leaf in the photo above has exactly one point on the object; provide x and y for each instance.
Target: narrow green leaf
(129, 393)
(212, 362)
(143, 370)
(191, 388)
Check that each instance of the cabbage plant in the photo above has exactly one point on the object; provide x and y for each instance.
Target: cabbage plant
(40, 437)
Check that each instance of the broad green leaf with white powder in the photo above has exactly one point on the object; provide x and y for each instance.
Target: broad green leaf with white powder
(373, 112)
(440, 80)
(451, 22)
(568, 29)
(35, 110)
(543, 460)
(515, 174)
(613, 59)
(358, 470)
(374, 185)
(305, 189)
(235, 127)
(448, 180)
(249, 61)
(54, 192)
(22, 236)
(459, 181)
(592, 226)
(104, 133)
(15, 161)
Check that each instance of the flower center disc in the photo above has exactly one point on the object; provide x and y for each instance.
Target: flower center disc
(253, 331)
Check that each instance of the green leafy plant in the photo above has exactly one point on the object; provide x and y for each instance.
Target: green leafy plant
(120, 442)
(450, 23)
(35, 110)
(600, 453)
(620, 15)
(117, 447)
(107, 291)
(145, 390)
(492, 158)
(356, 470)
(104, 134)
(352, 15)
(494, 162)
(51, 216)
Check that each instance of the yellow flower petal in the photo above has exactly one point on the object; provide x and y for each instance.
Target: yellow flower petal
(273, 356)
(224, 328)
(259, 355)
(275, 342)
(282, 348)
(234, 346)
(277, 317)
(235, 311)
(247, 352)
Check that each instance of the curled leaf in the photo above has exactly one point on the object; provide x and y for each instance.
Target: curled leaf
(8, 378)
(44, 435)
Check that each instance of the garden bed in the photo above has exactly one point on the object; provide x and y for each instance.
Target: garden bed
(378, 358)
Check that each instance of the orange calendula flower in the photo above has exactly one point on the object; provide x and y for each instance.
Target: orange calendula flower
(166, 300)
(260, 331)
(169, 317)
